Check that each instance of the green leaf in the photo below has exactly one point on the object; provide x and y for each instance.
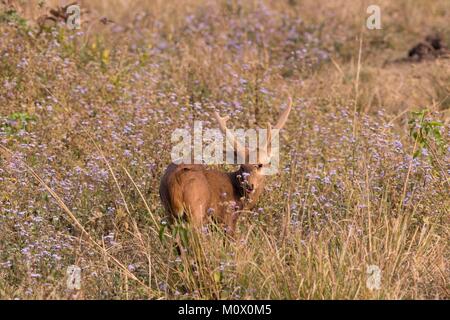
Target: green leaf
(217, 275)
(175, 231)
(436, 123)
(184, 236)
(161, 232)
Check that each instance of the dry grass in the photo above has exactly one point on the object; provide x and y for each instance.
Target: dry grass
(85, 125)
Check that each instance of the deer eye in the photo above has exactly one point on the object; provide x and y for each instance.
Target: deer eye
(259, 165)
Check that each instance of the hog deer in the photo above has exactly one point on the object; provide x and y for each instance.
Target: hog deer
(193, 191)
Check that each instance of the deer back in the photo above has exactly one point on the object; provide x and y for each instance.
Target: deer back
(196, 191)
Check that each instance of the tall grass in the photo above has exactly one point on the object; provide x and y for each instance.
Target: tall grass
(85, 124)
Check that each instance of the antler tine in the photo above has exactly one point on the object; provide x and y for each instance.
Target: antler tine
(267, 149)
(222, 121)
(223, 127)
(284, 116)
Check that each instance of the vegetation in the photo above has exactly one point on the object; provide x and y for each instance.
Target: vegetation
(86, 118)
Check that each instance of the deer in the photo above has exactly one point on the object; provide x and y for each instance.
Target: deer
(194, 192)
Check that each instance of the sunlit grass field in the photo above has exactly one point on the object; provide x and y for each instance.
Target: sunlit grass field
(86, 118)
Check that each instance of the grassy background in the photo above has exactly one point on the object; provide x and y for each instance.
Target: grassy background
(85, 123)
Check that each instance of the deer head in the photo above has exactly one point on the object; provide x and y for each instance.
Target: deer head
(252, 174)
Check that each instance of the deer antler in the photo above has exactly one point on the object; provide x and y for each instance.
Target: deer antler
(240, 150)
(265, 153)
(284, 116)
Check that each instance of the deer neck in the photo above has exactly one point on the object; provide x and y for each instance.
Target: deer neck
(238, 190)
(240, 195)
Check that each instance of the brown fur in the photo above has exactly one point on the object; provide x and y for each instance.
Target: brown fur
(195, 192)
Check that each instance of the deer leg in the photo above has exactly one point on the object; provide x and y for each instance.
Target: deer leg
(195, 200)
(230, 224)
(196, 216)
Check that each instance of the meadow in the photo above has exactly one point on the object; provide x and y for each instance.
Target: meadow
(86, 118)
